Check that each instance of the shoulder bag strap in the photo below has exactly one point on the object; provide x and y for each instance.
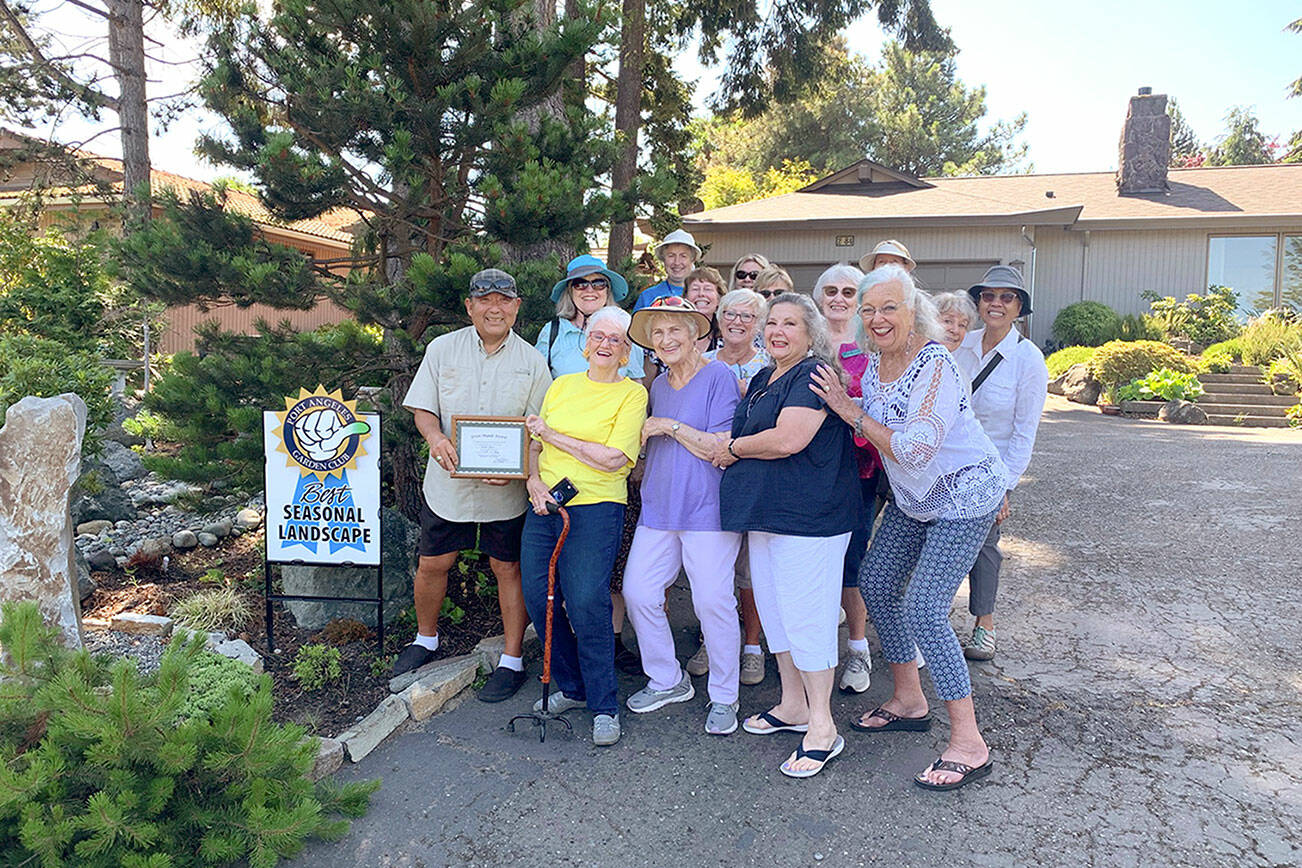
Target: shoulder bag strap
(551, 339)
(986, 371)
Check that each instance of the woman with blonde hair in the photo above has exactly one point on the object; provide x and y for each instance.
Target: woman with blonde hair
(747, 270)
(773, 281)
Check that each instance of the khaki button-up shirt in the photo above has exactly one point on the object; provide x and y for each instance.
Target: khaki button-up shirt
(457, 377)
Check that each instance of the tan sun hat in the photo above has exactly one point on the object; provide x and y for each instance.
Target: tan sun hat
(890, 248)
(639, 330)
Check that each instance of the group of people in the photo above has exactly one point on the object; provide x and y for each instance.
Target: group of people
(752, 437)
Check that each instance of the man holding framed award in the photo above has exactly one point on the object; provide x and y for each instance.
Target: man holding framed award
(469, 398)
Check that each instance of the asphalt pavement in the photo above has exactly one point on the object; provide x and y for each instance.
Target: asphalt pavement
(1145, 706)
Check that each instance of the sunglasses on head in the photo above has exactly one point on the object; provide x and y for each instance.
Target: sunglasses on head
(745, 275)
(492, 284)
(833, 291)
(1006, 297)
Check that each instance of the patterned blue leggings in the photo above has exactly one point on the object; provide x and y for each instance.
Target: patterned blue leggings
(908, 611)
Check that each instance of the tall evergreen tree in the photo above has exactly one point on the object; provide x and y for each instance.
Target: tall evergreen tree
(1185, 147)
(1244, 144)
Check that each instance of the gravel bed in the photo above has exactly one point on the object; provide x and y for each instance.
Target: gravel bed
(146, 650)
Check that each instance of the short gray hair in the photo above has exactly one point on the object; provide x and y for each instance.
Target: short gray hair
(926, 320)
(741, 298)
(565, 308)
(612, 313)
(820, 345)
(959, 302)
(840, 271)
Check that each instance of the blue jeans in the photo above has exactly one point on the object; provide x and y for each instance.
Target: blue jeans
(583, 641)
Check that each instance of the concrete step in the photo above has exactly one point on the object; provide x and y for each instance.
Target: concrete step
(1248, 421)
(1231, 378)
(1262, 400)
(1211, 408)
(1214, 387)
(1245, 369)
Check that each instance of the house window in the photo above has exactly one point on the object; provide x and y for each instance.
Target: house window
(1246, 264)
(1290, 291)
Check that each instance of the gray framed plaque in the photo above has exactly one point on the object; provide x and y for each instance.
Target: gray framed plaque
(490, 447)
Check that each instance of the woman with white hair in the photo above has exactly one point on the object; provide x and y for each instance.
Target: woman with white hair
(789, 485)
(957, 313)
(947, 478)
(691, 407)
(587, 431)
(746, 270)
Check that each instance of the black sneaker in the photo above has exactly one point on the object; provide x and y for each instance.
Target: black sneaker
(502, 684)
(412, 657)
(625, 660)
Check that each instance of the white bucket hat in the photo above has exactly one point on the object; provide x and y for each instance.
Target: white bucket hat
(678, 236)
(890, 248)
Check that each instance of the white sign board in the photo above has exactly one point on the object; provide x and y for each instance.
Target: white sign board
(322, 481)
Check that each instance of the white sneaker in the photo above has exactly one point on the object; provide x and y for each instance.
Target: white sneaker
(858, 672)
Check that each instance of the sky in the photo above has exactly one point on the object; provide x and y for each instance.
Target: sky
(1070, 67)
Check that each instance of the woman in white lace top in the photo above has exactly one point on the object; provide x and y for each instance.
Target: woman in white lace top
(948, 481)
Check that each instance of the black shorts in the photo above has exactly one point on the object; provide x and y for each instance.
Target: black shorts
(497, 539)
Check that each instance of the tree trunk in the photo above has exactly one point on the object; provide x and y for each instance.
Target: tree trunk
(127, 56)
(628, 120)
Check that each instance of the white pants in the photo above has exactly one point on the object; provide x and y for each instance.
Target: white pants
(797, 584)
(708, 558)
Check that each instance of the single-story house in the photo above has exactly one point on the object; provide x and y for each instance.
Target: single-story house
(1105, 236)
(86, 199)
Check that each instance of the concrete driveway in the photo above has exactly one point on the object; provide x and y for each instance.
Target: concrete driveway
(1145, 707)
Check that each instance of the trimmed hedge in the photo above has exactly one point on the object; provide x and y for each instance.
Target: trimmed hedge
(1085, 323)
(1059, 362)
(1118, 362)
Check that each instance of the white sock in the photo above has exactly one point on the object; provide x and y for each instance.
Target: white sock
(515, 664)
(751, 649)
(860, 645)
(430, 643)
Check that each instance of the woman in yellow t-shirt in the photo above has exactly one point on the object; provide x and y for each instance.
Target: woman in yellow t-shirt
(588, 431)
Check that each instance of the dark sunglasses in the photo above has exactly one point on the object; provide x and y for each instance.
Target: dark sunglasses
(1006, 297)
(599, 283)
(745, 275)
(767, 293)
(495, 284)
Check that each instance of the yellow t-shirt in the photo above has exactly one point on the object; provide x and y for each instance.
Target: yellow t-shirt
(607, 413)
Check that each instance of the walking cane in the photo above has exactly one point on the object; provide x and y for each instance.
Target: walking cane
(539, 719)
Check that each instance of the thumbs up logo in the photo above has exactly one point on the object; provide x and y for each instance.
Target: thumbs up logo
(321, 432)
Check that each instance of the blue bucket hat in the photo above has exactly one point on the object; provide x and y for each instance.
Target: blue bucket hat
(587, 264)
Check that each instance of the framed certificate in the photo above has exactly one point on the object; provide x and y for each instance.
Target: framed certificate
(490, 447)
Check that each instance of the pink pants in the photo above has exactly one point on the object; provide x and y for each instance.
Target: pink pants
(708, 558)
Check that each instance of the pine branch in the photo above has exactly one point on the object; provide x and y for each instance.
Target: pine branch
(90, 95)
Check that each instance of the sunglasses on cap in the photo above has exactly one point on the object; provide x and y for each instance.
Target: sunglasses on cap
(745, 275)
(493, 284)
(988, 296)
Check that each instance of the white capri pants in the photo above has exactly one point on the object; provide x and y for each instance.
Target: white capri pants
(708, 558)
(797, 584)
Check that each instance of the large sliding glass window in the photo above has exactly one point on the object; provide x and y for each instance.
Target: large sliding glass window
(1290, 291)
(1246, 264)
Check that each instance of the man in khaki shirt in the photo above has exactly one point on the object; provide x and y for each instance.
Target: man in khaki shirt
(485, 369)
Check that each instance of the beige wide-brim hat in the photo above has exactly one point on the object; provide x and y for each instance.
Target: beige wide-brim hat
(890, 248)
(639, 330)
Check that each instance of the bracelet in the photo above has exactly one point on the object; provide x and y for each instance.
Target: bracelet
(731, 451)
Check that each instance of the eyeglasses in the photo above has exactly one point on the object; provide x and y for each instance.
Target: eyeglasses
(737, 316)
(745, 275)
(1006, 297)
(600, 283)
(868, 311)
(600, 338)
(833, 291)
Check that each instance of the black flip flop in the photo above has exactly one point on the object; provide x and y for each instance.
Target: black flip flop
(774, 725)
(822, 757)
(968, 772)
(894, 723)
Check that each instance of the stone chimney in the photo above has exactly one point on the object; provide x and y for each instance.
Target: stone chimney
(1145, 146)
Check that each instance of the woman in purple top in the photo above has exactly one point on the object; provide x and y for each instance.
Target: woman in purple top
(692, 404)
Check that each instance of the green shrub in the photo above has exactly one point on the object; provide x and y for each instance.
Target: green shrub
(317, 665)
(99, 767)
(1284, 375)
(1294, 416)
(1132, 327)
(1216, 362)
(1059, 362)
(1203, 319)
(1118, 362)
(1162, 385)
(1085, 323)
(45, 368)
(1233, 348)
(1268, 337)
(215, 680)
(213, 609)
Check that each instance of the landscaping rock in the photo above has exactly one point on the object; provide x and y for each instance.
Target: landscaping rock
(102, 560)
(374, 728)
(85, 584)
(109, 503)
(1079, 385)
(329, 757)
(207, 540)
(398, 555)
(248, 519)
(141, 625)
(238, 649)
(428, 694)
(124, 462)
(489, 650)
(93, 527)
(40, 459)
(1182, 413)
(220, 529)
(184, 540)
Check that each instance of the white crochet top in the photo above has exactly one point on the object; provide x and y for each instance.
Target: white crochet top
(945, 466)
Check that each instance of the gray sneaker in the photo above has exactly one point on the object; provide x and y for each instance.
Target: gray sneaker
(721, 719)
(752, 669)
(981, 646)
(647, 699)
(558, 702)
(605, 729)
(857, 674)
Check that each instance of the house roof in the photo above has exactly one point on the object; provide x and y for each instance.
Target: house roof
(333, 225)
(1085, 199)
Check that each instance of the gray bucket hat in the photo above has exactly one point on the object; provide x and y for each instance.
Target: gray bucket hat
(1003, 277)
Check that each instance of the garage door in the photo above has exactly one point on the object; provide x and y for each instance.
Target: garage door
(946, 276)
